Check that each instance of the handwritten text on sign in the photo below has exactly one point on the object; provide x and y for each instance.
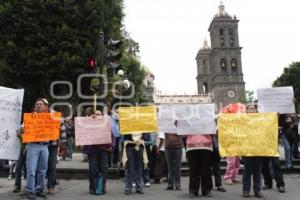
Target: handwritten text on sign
(89, 131)
(196, 119)
(41, 127)
(252, 134)
(141, 119)
(10, 118)
(278, 99)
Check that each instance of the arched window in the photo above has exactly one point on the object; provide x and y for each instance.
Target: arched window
(205, 88)
(204, 62)
(231, 42)
(233, 65)
(222, 42)
(223, 65)
(221, 31)
(230, 32)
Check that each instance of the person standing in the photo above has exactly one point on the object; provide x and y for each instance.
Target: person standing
(37, 160)
(252, 165)
(70, 132)
(98, 160)
(173, 145)
(134, 160)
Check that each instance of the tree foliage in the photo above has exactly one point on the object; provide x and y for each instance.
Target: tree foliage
(49, 40)
(290, 77)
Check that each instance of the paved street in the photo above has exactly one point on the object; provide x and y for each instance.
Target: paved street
(78, 189)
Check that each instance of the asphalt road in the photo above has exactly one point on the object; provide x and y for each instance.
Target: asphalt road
(78, 190)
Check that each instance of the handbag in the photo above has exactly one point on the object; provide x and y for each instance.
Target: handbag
(99, 184)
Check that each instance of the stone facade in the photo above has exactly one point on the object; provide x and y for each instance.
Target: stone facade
(219, 67)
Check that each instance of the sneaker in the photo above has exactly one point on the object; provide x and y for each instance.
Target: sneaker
(30, 195)
(17, 190)
(266, 187)
(41, 194)
(68, 159)
(207, 194)
(221, 189)
(246, 194)
(258, 194)
(147, 184)
(169, 188)
(236, 181)
(139, 192)
(281, 189)
(228, 182)
(9, 177)
(127, 192)
(51, 191)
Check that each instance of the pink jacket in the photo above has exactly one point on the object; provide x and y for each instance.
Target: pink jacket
(199, 141)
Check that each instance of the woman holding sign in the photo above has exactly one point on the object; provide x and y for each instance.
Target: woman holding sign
(252, 165)
(98, 161)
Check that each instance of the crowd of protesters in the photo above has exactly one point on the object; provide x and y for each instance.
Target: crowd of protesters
(147, 156)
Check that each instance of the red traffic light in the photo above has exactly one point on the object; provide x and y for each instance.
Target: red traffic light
(92, 62)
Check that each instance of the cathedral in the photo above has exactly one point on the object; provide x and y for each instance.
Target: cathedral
(219, 67)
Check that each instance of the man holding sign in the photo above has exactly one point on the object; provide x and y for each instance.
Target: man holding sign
(35, 125)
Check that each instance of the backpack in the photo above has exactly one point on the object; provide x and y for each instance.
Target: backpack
(99, 184)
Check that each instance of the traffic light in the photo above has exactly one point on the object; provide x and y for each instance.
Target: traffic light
(92, 65)
(114, 56)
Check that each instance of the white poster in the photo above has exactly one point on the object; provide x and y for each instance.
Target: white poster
(192, 119)
(166, 118)
(196, 119)
(278, 99)
(11, 101)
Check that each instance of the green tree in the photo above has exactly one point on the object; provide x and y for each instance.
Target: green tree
(291, 77)
(44, 41)
(247, 97)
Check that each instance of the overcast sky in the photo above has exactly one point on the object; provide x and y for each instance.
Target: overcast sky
(170, 33)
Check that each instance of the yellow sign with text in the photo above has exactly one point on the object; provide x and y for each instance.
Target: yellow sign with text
(251, 134)
(140, 119)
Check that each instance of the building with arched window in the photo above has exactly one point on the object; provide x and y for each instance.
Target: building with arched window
(219, 67)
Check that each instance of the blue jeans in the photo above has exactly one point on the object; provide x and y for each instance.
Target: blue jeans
(252, 165)
(98, 161)
(70, 145)
(134, 168)
(36, 162)
(173, 157)
(288, 150)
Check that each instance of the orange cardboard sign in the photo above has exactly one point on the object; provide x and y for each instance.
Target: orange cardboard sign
(41, 127)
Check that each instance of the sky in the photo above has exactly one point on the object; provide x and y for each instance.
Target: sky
(170, 33)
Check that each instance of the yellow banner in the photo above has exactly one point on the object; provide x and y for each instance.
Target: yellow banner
(141, 119)
(251, 134)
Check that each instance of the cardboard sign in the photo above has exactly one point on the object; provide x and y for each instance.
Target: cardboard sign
(251, 134)
(41, 127)
(278, 99)
(90, 131)
(192, 119)
(11, 101)
(135, 120)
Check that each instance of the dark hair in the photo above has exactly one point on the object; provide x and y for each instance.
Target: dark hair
(43, 100)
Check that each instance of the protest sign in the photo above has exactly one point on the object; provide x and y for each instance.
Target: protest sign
(278, 99)
(91, 131)
(251, 134)
(41, 127)
(11, 101)
(140, 119)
